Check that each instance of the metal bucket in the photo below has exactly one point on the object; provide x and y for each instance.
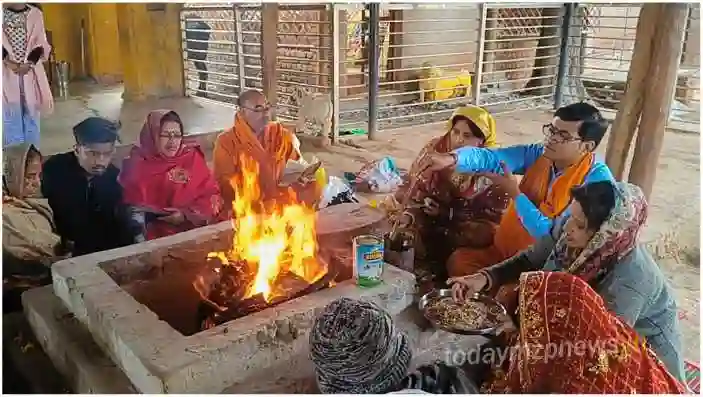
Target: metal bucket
(63, 75)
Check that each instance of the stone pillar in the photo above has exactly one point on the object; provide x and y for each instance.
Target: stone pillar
(150, 49)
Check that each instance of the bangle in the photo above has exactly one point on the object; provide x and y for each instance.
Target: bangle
(489, 280)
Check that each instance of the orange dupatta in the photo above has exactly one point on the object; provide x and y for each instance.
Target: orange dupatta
(271, 153)
(511, 236)
(569, 343)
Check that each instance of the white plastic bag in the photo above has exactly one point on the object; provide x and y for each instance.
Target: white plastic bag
(381, 176)
(337, 191)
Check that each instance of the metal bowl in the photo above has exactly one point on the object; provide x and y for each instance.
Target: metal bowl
(447, 293)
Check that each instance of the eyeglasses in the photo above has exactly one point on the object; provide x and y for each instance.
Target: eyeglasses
(171, 136)
(555, 135)
(258, 108)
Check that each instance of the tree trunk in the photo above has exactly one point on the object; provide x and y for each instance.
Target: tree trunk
(547, 54)
(659, 93)
(623, 129)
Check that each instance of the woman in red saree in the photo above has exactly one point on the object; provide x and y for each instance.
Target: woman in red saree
(168, 177)
(449, 209)
(568, 343)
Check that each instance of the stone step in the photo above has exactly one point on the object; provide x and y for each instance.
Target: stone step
(25, 367)
(70, 346)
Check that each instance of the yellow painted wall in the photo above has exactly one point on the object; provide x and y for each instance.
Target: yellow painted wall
(150, 46)
(104, 60)
(63, 21)
(101, 39)
(123, 42)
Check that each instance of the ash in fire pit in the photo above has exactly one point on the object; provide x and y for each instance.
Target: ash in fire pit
(230, 293)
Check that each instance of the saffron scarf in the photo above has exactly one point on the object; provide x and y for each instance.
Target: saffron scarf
(512, 237)
(271, 153)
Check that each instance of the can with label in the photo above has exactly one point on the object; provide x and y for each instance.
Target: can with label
(368, 260)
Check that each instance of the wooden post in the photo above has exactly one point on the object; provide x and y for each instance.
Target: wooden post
(269, 52)
(623, 129)
(666, 53)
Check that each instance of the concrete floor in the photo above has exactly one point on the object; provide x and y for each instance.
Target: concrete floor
(87, 100)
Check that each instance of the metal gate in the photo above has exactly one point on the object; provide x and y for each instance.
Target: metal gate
(506, 57)
(600, 44)
(222, 52)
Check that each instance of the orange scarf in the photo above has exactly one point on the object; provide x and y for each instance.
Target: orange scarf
(271, 153)
(511, 236)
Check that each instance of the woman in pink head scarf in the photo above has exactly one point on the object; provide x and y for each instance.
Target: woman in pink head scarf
(25, 90)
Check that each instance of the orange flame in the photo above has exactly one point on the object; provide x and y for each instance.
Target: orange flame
(274, 237)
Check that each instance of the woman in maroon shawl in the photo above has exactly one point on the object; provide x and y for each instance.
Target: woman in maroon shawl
(167, 179)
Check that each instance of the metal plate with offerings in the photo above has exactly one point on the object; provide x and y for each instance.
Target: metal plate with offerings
(478, 315)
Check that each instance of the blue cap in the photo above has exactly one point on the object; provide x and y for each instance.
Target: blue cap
(96, 130)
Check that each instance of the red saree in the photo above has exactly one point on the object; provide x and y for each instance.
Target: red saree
(184, 181)
(569, 343)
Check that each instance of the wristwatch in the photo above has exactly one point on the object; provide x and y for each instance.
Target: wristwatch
(455, 157)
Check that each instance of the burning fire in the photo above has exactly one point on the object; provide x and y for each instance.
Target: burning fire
(273, 237)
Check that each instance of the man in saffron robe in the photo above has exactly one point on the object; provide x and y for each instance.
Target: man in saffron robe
(549, 170)
(268, 144)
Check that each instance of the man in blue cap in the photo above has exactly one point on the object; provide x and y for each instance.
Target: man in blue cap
(83, 192)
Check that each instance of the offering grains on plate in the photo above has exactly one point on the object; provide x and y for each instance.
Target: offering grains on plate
(467, 316)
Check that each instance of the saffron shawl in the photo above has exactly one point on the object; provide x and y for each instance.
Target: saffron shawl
(270, 153)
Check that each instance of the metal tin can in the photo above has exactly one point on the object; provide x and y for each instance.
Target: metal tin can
(368, 260)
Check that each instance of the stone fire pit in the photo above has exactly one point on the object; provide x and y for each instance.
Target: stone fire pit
(138, 303)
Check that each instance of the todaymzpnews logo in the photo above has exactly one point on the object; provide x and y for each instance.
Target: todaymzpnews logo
(542, 352)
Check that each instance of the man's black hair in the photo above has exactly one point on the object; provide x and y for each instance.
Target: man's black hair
(594, 126)
(597, 199)
(96, 130)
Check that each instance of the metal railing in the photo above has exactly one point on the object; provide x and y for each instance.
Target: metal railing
(430, 58)
(519, 54)
(211, 52)
(604, 52)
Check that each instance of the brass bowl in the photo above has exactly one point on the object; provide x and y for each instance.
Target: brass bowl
(447, 293)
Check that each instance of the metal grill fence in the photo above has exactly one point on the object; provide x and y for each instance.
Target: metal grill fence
(431, 58)
(603, 50)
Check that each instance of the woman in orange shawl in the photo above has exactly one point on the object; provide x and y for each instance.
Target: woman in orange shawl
(449, 209)
(567, 342)
(256, 145)
(168, 179)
